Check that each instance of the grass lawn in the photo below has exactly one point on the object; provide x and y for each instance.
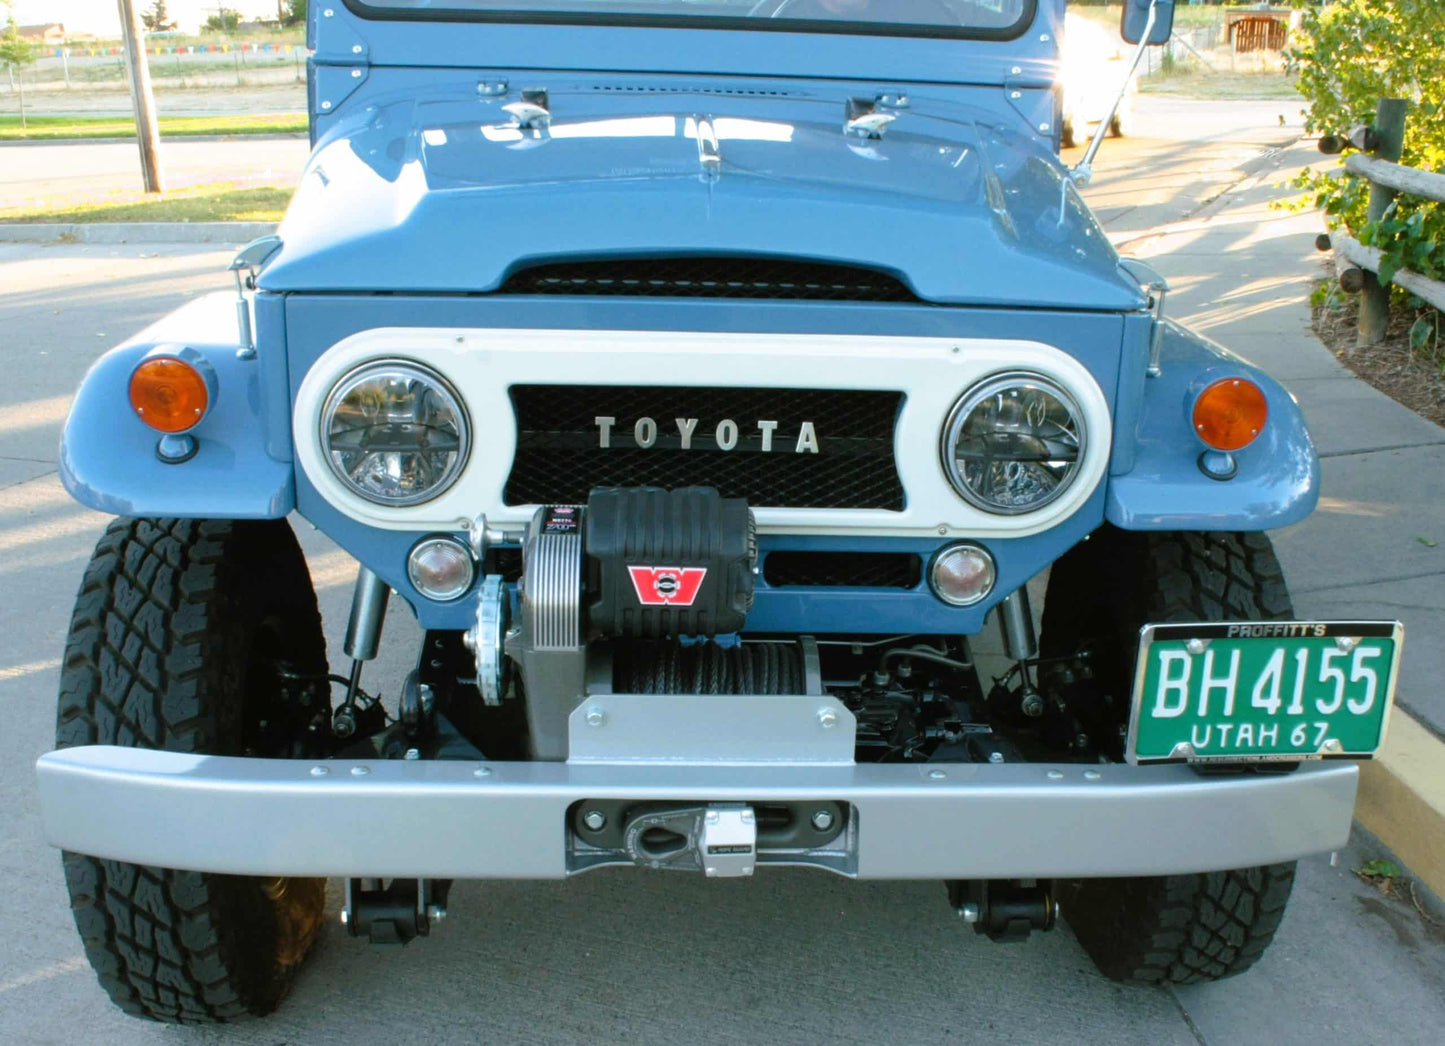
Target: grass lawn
(1200, 83)
(221, 202)
(46, 127)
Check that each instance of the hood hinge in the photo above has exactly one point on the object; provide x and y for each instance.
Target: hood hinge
(335, 84)
(1034, 103)
(337, 42)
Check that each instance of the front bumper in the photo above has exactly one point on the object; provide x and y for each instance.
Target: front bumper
(443, 819)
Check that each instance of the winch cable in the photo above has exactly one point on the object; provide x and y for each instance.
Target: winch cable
(707, 668)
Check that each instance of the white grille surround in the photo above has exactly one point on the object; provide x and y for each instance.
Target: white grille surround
(932, 373)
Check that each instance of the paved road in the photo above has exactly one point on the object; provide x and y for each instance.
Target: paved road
(171, 101)
(32, 174)
(786, 957)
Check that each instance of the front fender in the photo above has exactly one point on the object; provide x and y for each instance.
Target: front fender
(1278, 480)
(108, 455)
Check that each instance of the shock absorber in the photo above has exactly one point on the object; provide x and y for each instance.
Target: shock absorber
(363, 639)
(1016, 625)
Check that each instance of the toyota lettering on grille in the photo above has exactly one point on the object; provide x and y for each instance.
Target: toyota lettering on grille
(724, 436)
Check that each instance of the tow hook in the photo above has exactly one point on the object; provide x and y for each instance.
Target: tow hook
(1004, 909)
(720, 839)
(395, 914)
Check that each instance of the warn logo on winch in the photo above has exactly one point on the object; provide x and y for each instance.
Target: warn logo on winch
(667, 586)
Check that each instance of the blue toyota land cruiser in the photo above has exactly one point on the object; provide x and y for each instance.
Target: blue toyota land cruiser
(707, 377)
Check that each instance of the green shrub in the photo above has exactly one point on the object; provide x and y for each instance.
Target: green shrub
(1346, 57)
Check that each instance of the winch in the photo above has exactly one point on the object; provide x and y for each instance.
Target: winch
(641, 590)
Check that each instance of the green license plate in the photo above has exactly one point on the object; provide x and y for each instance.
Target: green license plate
(1263, 691)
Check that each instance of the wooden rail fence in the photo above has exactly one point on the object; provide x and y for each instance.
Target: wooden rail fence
(1387, 179)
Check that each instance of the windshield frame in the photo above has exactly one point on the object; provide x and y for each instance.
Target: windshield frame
(380, 12)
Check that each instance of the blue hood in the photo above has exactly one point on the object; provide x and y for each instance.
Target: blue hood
(449, 195)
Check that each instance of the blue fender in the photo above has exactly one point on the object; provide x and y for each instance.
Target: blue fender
(1278, 480)
(108, 455)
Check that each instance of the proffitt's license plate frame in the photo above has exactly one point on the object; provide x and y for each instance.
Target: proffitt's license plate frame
(1340, 639)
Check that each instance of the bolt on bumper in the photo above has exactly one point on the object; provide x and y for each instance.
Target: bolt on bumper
(509, 820)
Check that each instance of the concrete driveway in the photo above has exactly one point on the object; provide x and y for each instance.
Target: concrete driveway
(786, 957)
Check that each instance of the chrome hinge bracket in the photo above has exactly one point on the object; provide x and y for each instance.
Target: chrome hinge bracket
(249, 260)
(335, 84)
(1034, 103)
(338, 44)
(491, 85)
(1157, 288)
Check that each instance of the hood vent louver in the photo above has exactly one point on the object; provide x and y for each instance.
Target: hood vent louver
(710, 278)
(693, 89)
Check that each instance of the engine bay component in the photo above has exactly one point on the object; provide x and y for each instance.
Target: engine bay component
(669, 562)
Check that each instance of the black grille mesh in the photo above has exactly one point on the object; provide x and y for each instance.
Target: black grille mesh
(837, 569)
(558, 459)
(506, 561)
(709, 278)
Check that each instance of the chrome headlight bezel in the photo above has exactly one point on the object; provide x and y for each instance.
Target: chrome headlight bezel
(412, 371)
(990, 386)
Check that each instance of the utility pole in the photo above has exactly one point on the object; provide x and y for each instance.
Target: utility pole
(147, 127)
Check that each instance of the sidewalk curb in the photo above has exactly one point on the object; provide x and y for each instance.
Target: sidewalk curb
(134, 232)
(1402, 798)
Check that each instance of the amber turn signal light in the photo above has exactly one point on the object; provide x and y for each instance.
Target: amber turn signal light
(168, 394)
(1230, 414)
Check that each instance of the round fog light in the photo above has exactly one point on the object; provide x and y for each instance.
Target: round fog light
(962, 575)
(440, 568)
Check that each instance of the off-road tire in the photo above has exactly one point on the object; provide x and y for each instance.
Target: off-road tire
(1176, 929)
(177, 627)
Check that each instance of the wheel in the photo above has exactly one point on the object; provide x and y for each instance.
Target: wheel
(1122, 125)
(1177, 929)
(179, 631)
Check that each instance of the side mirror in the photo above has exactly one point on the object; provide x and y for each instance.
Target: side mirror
(1136, 18)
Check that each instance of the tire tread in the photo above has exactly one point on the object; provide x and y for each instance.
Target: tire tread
(153, 627)
(1177, 929)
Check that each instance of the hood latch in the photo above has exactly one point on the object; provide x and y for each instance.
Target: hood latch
(870, 117)
(531, 113)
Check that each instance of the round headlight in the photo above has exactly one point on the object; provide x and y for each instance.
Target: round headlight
(395, 433)
(1013, 443)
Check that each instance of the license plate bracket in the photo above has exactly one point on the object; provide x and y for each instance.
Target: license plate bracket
(1263, 691)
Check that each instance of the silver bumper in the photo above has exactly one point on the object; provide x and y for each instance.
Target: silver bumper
(508, 820)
